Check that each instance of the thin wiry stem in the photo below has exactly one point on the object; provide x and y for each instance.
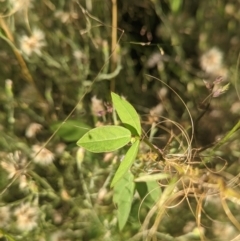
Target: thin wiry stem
(114, 41)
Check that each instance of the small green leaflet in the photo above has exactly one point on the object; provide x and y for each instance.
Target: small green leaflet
(126, 113)
(71, 130)
(154, 190)
(105, 139)
(126, 162)
(122, 196)
(176, 5)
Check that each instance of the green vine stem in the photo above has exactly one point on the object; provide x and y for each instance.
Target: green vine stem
(155, 149)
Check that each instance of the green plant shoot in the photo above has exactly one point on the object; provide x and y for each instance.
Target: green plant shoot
(111, 138)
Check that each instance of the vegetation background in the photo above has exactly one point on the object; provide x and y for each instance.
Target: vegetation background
(59, 61)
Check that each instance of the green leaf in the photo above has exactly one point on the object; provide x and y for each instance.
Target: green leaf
(126, 113)
(105, 139)
(123, 196)
(70, 130)
(144, 195)
(175, 5)
(126, 162)
(154, 190)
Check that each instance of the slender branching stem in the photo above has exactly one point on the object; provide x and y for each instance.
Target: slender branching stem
(155, 149)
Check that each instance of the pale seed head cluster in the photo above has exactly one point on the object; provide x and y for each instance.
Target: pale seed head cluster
(19, 5)
(97, 106)
(80, 56)
(212, 63)
(32, 130)
(4, 216)
(42, 155)
(14, 163)
(66, 17)
(58, 236)
(155, 113)
(26, 217)
(33, 44)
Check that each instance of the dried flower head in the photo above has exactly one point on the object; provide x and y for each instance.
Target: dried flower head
(162, 93)
(33, 44)
(23, 182)
(18, 5)
(14, 163)
(32, 130)
(230, 9)
(64, 195)
(58, 236)
(66, 17)
(97, 106)
(60, 148)
(57, 217)
(108, 156)
(155, 113)
(224, 231)
(154, 60)
(235, 108)
(102, 194)
(42, 155)
(26, 217)
(10, 168)
(211, 61)
(79, 55)
(4, 216)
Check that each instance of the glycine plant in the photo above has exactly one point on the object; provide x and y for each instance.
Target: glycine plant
(110, 138)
